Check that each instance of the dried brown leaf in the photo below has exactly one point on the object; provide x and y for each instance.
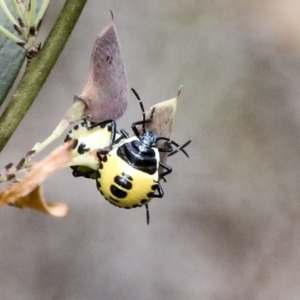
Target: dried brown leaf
(28, 193)
(163, 121)
(106, 91)
(35, 200)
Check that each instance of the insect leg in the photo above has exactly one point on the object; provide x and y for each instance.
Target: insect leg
(160, 192)
(169, 149)
(179, 148)
(147, 214)
(167, 172)
(124, 133)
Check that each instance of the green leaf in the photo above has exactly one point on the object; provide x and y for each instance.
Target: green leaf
(12, 57)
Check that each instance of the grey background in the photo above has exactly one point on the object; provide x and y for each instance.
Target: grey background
(228, 226)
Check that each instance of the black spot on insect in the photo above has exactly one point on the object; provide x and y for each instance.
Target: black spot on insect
(98, 174)
(127, 176)
(109, 128)
(102, 125)
(75, 144)
(135, 205)
(104, 158)
(144, 201)
(100, 167)
(68, 138)
(81, 149)
(154, 187)
(86, 172)
(127, 207)
(123, 182)
(76, 127)
(150, 194)
(117, 192)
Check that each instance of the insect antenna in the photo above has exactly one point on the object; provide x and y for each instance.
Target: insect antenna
(142, 107)
(179, 148)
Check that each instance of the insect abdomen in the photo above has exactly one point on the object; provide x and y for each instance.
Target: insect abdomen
(123, 185)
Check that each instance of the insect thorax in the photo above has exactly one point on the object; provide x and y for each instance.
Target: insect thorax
(139, 156)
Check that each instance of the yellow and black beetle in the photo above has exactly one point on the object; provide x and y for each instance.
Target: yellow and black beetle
(90, 136)
(128, 175)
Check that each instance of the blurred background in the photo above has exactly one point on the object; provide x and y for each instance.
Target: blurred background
(228, 226)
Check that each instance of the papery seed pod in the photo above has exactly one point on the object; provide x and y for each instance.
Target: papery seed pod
(106, 91)
(163, 121)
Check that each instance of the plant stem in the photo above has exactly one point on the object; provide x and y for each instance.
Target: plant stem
(39, 69)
